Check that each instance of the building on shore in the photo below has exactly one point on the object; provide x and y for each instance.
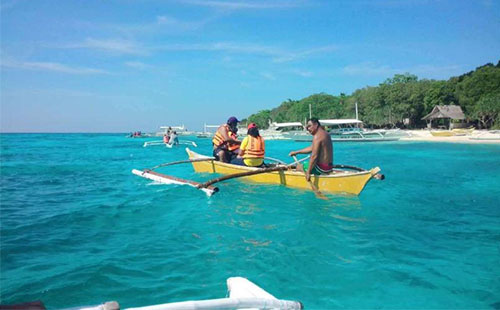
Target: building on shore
(444, 115)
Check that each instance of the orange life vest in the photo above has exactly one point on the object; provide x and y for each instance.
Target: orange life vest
(218, 140)
(232, 146)
(255, 148)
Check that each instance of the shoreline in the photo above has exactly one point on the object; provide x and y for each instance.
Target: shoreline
(426, 136)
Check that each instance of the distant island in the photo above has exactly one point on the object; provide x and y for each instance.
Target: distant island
(401, 101)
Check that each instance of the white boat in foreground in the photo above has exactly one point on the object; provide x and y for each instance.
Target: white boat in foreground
(243, 294)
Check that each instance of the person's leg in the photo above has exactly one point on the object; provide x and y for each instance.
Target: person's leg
(223, 156)
(238, 161)
(215, 154)
(302, 167)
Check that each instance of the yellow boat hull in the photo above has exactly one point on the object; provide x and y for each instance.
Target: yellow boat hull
(442, 133)
(341, 182)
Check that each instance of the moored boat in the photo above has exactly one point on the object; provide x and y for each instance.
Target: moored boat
(282, 131)
(443, 133)
(340, 181)
(350, 130)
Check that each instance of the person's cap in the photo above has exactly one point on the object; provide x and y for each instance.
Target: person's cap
(252, 125)
(232, 120)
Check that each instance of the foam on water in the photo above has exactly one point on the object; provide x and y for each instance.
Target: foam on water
(78, 228)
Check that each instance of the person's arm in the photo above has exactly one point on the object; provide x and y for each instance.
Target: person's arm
(306, 150)
(243, 147)
(223, 132)
(225, 135)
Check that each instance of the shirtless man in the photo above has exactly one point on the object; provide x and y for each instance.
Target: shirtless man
(321, 150)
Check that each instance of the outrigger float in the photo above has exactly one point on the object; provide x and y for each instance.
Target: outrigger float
(160, 142)
(344, 179)
(243, 294)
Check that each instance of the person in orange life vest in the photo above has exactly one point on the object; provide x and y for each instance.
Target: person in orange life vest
(252, 149)
(165, 138)
(225, 140)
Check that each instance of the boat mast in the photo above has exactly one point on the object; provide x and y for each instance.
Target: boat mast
(356, 110)
(310, 114)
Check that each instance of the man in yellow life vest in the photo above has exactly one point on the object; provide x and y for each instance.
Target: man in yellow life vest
(252, 149)
(225, 141)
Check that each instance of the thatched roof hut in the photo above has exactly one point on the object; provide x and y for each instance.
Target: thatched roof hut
(447, 112)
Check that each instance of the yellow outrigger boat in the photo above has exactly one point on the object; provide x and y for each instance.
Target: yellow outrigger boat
(453, 132)
(341, 181)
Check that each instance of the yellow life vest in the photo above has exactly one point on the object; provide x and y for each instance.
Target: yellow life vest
(255, 148)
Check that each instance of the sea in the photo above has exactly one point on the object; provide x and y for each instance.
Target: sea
(78, 228)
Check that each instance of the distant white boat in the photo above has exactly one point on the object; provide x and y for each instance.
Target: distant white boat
(281, 131)
(161, 143)
(180, 130)
(350, 130)
(492, 135)
(206, 132)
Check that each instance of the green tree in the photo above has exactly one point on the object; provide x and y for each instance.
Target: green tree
(487, 110)
(261, 118)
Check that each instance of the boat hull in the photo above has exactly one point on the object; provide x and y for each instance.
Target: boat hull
(442, 133)
(347, 182)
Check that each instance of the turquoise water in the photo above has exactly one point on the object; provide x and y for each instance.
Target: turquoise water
(77, 228)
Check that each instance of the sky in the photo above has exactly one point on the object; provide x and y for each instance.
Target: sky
(123, 65)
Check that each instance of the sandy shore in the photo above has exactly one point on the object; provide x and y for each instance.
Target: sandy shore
(425, 135)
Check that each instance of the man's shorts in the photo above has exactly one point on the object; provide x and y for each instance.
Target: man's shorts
(317, 170)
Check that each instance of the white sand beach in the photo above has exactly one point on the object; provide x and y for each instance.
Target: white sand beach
(477, 136)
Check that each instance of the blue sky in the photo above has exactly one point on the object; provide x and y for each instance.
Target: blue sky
(123, 65)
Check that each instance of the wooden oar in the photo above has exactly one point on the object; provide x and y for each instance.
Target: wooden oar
(313, 186)
(183, 162)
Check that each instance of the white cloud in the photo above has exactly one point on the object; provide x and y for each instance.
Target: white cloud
(422, 71)
(369, 69)
(162, 24)
(49, 66)
(301, 73)
(237, 5)
(268, 76)
(112, 45)
(279, 55)
(286, 57)
(137, 65)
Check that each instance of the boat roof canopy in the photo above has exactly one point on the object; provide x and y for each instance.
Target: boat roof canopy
(339, 121)
(173, 127)
(290, 124)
